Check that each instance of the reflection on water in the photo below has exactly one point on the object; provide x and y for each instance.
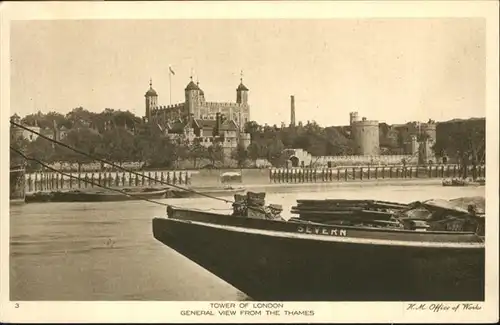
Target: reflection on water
(106, 251)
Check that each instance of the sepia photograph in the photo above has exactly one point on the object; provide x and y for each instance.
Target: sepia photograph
(250, 166)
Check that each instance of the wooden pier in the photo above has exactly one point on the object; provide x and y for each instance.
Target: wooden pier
(41, 181)
(322, 175)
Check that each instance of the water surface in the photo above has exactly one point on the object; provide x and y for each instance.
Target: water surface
(106, 251)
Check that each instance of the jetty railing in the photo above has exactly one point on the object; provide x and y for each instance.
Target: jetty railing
(337, 174)
(49, 181)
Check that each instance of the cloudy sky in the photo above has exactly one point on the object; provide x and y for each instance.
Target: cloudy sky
(393, 70)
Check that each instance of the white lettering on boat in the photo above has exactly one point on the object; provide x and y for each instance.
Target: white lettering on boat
(322, 231)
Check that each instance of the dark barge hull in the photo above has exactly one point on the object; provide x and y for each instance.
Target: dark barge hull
(269, 260)
(92, 197)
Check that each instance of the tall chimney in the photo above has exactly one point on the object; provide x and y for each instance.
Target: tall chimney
(292, 110)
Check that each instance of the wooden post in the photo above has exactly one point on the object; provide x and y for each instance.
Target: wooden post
(442, 170)
(447, 170)
(376, 172)
(346, 175)
(168, 177)
(390, 172)
(35, 182)
(149, 178)
(361, 173)
(174, 178)
(156, 177)
(430, 172)
(70, 180)
(353, 173)
(86, 180)
(28, 182)
(162, 180)
(454, 170)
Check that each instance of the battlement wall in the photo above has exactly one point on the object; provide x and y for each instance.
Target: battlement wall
(365, 123)
(222, 104)
(169, 107)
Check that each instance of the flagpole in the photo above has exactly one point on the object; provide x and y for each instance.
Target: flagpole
(170, 84)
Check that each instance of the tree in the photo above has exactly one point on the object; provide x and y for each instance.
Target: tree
(116, 145)
(215, 153)
(254, 151)
(240, 154)
(197, 152)
(41, 149)
(181, 152)
(18, 143)
(463, 140)
(83, 139)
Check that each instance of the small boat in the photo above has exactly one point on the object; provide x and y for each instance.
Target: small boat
(17, 185)
(201, 192)
(464, 182)
(301, 260)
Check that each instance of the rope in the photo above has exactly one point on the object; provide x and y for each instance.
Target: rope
(112, 164)
(85, 180)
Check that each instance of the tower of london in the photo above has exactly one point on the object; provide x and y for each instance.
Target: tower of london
(195, 106)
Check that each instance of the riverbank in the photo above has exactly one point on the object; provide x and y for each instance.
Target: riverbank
(96, 194)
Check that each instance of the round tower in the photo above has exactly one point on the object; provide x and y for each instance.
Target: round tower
(192, 95)
(151, 100)
(429, 129)
(365, 134)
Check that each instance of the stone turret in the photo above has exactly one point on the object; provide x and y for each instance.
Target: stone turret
(151, 100)
(242, 93)
(192, 95)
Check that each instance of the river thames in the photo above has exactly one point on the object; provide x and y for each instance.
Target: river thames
(106, 251)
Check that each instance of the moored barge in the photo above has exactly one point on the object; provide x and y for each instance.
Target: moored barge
(300, 260)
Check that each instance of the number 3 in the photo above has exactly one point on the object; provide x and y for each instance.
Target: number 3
(16, 305)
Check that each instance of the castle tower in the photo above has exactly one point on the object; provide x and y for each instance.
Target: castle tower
(151, 100)
(292, 110)
(353, 117)
(429, 129)
(192, 95)
(365, 134)
(242, 93)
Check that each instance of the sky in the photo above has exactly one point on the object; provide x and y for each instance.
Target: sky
(390, 70)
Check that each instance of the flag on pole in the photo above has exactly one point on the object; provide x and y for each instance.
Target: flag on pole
(171, 71)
